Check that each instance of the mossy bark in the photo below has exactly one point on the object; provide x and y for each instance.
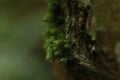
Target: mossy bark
(91, 47)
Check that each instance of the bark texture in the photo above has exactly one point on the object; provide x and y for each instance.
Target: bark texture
(94, 55)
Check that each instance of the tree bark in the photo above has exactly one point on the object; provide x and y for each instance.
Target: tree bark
(94, 54)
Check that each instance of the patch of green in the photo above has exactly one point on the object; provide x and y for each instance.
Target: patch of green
(56, 45)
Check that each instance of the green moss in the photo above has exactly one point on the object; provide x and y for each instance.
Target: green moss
(56, 45)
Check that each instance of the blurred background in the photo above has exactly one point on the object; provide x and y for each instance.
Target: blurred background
(21, 40)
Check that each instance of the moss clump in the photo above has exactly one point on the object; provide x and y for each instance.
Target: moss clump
(56, 45)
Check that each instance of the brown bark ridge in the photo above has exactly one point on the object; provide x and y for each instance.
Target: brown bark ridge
(94, 58)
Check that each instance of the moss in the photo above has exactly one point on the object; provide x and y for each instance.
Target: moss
(56, 44)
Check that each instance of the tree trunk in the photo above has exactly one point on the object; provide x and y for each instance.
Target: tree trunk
(93, 46)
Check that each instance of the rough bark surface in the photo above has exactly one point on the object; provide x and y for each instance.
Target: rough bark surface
(94, 56)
